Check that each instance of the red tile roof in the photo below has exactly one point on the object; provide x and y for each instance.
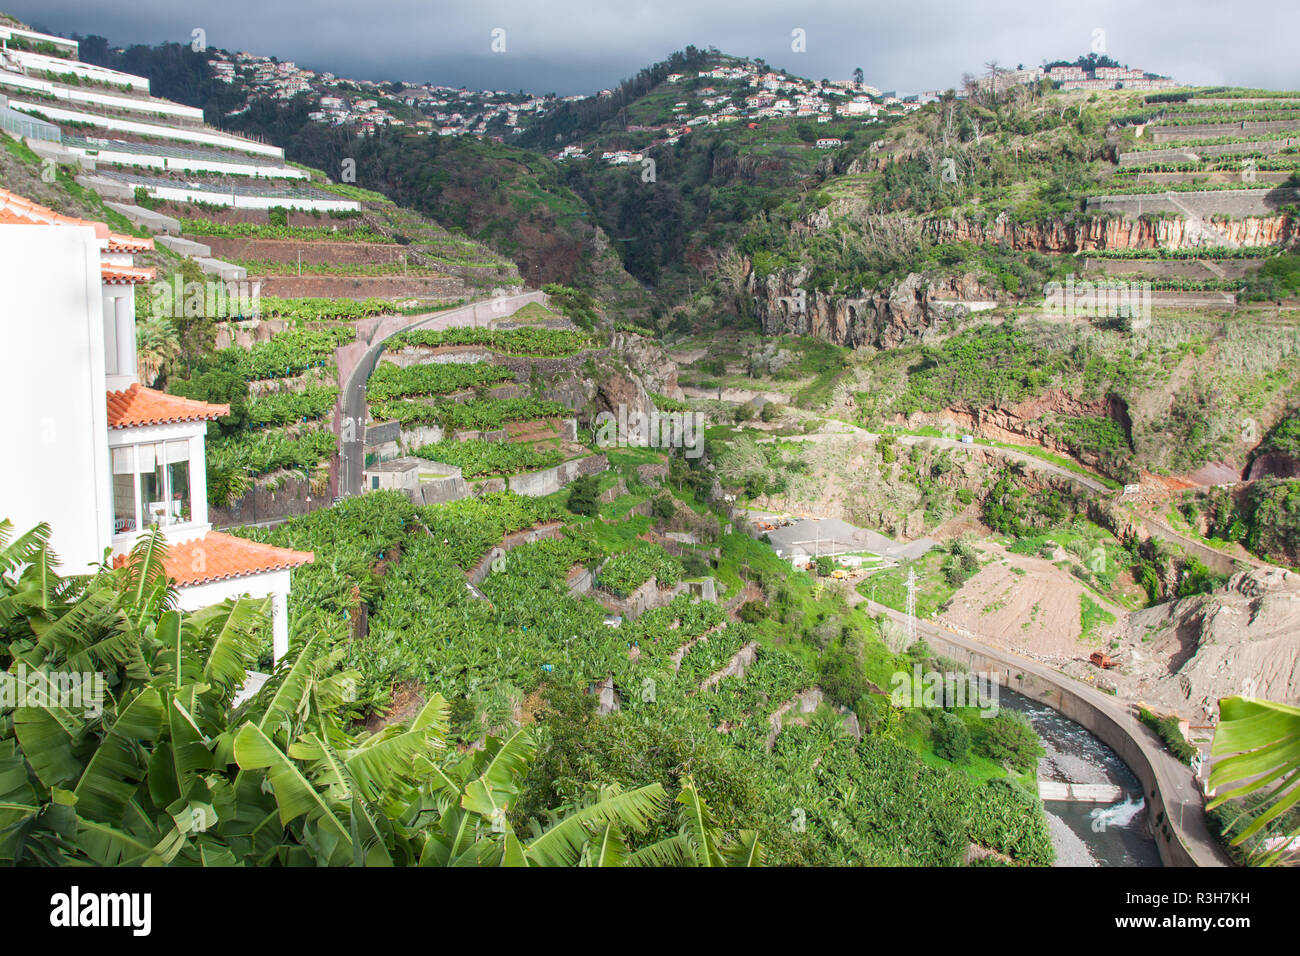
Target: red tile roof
(118, 275)
(20, 211)
(137, 405)
(221, 557)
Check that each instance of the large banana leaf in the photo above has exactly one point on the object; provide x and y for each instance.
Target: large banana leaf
(118, 765)
(562, 843)
(1259, 743)
(294, 794)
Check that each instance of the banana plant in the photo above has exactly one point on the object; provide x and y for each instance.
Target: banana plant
(166, 769)
(1258, 742)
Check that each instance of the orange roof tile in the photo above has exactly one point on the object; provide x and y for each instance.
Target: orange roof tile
(116, 275)
(18, 210)
(220, 557)
(137, 405)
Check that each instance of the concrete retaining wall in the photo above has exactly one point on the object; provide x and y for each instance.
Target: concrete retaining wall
(538, 483)
(477, 574)
(1165, 134)
(1238, 203)
(1074, 705)
(1191, 153)
(291, 497)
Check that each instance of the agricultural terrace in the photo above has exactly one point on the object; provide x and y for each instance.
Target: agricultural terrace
(532, 341)
(405, 564)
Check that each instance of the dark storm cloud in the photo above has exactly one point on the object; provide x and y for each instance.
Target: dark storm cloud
(578, 47)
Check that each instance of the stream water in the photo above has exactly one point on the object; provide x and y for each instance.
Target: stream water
(1087, 834)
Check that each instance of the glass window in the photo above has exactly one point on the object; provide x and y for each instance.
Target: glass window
(151, 486)
(153, 494)
(178, 480)
(124, 516)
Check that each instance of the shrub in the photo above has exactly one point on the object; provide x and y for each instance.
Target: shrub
(584, 495)
(1010, 739)
(950, 736)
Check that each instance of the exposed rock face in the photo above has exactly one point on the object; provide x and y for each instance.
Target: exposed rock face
(915, 307)
(1030, 420)
(648, 359)
(1274, 464)
(1239, 640)
(909, 312)
(609, 391)
(1110, 233)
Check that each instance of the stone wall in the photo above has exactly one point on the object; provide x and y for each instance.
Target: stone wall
(477, 574)
(1191, 153)
(287, 250)
(439, 491)
(1166, 134)
(291, 497)
(538, 483)
(362, 287)
(1237, 203)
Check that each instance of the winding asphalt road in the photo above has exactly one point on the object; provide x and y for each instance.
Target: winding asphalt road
(352, 440)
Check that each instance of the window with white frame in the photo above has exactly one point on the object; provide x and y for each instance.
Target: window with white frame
(151, 485)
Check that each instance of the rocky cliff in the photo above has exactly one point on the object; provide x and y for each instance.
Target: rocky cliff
(1058, 236)
(912, 311)
(920, 306)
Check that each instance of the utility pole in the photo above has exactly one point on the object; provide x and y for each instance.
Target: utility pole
(911, 606)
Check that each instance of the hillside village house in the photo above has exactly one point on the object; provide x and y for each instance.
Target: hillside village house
(107, 459)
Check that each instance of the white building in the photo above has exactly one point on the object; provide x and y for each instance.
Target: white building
(106, 458)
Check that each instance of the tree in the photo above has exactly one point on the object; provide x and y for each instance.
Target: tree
(858, 76)
(950, 736)
(1008, 738)
(221, 383)
(584, 495)
(156, 345)
(825, 566)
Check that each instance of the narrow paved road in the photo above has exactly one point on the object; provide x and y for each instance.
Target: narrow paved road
(842, 429)
(1184, 804)
(352, 440)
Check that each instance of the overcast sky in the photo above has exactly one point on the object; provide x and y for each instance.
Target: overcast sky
(578, 47)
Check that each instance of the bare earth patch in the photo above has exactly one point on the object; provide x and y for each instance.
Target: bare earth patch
(1035, 613)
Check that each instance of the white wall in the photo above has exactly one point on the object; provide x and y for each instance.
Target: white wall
(52, 388)
(101, 74)
(134, 104)
(123, 158)
(272, 583)
(206, 136)
(32, 36)
(178, 194)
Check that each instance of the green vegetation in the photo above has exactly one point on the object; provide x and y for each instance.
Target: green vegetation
(528, 340)
(626, 571)
(251, 230)
(1166, 729)
(478, 458)
(1092, 616)
(479, 413)
(393, 381)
